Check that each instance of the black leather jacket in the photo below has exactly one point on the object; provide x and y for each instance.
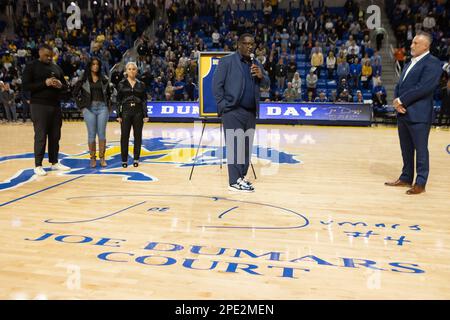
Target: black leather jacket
(131, 100)
(82, 93)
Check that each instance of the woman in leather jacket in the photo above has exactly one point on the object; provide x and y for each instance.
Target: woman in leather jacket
(93, 94)
(132, 112)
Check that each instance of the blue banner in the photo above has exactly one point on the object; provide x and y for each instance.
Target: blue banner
(170, 109)
(334, 112)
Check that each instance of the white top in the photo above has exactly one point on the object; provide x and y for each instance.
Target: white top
(414, 62)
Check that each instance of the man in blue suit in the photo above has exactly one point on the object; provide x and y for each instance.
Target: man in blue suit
(236, 87)
(414, 104)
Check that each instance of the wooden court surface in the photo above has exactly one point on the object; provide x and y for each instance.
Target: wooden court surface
(321, 224)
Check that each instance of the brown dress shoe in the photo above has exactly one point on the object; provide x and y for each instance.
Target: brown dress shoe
(417, 189)
(398, 183)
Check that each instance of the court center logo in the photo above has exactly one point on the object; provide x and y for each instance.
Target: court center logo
(154, 151)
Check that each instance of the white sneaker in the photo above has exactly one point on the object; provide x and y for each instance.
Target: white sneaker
(239, 188)
(60, 167)
(246, 184)
(40, 171)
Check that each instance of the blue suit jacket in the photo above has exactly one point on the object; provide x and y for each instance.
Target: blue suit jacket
(416, 91)
(229, 83)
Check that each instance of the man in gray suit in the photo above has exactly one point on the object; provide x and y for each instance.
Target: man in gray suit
(236, 87)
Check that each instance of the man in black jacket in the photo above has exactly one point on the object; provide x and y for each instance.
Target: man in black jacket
(45, 81)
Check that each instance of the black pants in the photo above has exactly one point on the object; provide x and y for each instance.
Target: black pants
(135, 120)
(47, 122)
(25, 111)
(239, 143)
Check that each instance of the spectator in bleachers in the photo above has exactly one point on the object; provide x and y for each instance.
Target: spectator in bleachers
(365, 59)
(321, 98)
(332, 40)
(344, 96)
(270, 67)
(25, 98)
(317, 48)
(378, 87)
(322, 40)
(267, 10)
(429, 22)
(358, 98)
(7, 100)
(291, 68)
(215, 39)
(329, 26)
(333, 96)
(284, 55)
(343, 85)
(355, 73)
(366, 74)
(297, 84)
(265, 94)
(290, 94)
(342, 56)
(379, 37)
(352, 56)
(277, 96)
(331, 65)
(279, 22)
(169, 92)
(400, 56)
(343, 70)
(311, 81)
(410, 34)
(179, 88)
(379, 97)
(157, 89)
(309, 45)
(280, 74)
(310, 96)
(355, 28)
(284, 37)
(366, 45)
(317, 61)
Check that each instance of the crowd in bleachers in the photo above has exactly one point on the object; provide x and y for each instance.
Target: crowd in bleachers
(409, 17)
(310, 53)
(105, 33)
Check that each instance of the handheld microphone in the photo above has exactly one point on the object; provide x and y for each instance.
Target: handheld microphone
(252, 59)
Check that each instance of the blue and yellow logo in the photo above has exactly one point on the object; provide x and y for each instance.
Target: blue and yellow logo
(154, 151)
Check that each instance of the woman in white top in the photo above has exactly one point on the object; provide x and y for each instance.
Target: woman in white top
(297, 84)
(331, 64)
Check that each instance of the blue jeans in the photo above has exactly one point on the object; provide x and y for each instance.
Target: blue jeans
(96, 117)
(10, 110)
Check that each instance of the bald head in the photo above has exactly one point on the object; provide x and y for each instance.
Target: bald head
(421, 44)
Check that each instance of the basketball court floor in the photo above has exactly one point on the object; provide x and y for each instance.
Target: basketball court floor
(321, 224)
